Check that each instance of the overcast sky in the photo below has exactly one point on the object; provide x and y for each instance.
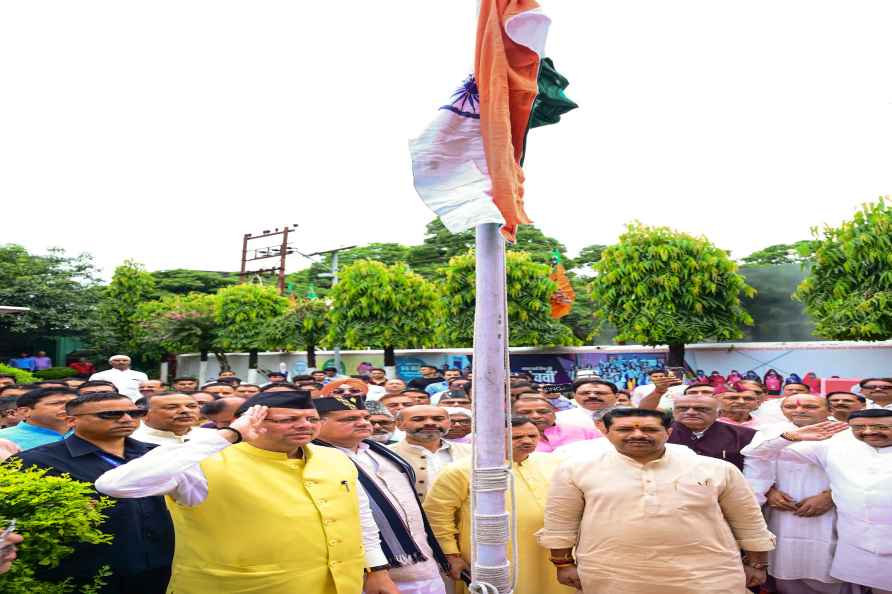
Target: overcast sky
(163, 131)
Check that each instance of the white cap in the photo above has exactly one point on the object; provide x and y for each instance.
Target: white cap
(113, 357)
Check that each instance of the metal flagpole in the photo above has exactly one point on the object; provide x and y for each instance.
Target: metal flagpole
(490, 474)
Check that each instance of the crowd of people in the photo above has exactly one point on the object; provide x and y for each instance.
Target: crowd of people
(328, 484)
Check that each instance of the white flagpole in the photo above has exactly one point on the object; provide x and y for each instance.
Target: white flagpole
(490, 473)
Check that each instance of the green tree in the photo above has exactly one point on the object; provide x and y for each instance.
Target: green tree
(182, 281)
(380, 306)
(589, 255)
(529, 306)
(538, 246)
(581, 319)
(61, 291)
(181, 324)
(243, 314)
(52, 513)
(438, 247)
(783, 253)
(303, 326)
(659, 286)
(849, 290)
(130, 286)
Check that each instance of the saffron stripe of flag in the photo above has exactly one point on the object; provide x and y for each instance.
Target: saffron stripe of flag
(510, 43)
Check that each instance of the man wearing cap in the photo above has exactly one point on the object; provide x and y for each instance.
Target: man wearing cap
(413, 553)
(271, 514)
(126, 380)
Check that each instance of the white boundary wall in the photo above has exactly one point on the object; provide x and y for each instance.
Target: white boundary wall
(844, 359)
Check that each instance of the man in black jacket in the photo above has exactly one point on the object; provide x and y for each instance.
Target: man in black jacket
(142, 550)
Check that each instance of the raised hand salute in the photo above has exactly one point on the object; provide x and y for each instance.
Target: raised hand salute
(816, 432)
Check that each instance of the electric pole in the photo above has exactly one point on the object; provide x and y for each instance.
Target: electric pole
(281, 251)
(334, 281)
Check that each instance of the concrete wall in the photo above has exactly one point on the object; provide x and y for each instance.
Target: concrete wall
(844, 359)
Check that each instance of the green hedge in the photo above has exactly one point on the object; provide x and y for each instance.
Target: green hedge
(55, 373)
(21, 377)
(52, 513)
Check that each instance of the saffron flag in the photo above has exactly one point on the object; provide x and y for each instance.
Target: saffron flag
(467, 163)
(562, 299)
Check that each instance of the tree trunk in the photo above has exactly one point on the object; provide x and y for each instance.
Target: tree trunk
(311, 356)
(222, 361)
(252, 366)
(203, 367)
(389, 357)
(676, 355)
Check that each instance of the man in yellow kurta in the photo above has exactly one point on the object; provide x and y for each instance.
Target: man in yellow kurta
(270, 515)
(448, 507)
(647, 520)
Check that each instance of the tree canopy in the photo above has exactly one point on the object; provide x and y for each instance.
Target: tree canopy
(130, 286)
(659, 286)
(783, 253)
(375, 305)
(849, 290)
(243, 314)
(182, 281)
(61, 290)
(529, 307)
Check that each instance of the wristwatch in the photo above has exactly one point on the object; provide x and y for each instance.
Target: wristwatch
(755, 564)
(369, 570)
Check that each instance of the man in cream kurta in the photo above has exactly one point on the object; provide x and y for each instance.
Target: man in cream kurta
(448, 507)
(646, 520)
(270, 515)
(799, 506)
(859, 466)
(424, 447)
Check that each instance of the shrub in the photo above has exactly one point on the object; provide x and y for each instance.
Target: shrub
(55, 373)
(52, 513)
(21, 376)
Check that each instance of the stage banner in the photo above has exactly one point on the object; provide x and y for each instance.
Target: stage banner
(626, 370)
(546, 369)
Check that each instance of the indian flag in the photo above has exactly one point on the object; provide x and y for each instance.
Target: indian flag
(467, 163)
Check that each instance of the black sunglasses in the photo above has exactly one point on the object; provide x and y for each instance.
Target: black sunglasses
(114, 415)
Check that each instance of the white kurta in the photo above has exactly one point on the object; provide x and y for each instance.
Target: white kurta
(770, 412)
(805, 546)
(126, 381)
(580, 417)
(861, 481)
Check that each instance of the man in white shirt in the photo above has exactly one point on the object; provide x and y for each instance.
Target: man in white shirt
(272, 478)
(878, 391)
(126, 380)
(592, 395)
(799, 508)
(859, 466)
(171, 419)
(413, 553)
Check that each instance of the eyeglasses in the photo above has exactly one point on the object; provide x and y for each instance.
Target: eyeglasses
(114, 415)
(347, 391)
(876, 387)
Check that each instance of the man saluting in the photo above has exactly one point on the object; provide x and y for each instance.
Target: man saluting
(271, 514)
